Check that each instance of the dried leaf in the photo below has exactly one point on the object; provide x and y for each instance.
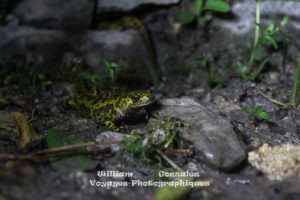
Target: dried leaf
(25, 129)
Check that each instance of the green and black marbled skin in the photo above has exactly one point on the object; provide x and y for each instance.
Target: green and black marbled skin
(104, 107)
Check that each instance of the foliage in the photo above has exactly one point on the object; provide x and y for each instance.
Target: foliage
(296, 85)
(296, 90)
(257, 112)
(93, 79)
(187, 17)
(137, 149)
(167, 130)
(39, 83)
(112, 69)
(268, 35)
(79, 163)
(215, 78)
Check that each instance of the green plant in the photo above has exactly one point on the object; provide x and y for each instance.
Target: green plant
(257, 112)
(296, 85)
(296, 90)
(78, 163)
(136, 149)
(201, 6)
(262, 36)
(215, 78)
(171, 128)
(94, 79)
(112, 69)
(39, 83)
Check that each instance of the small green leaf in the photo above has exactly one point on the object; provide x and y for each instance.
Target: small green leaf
(76, 163)
(247, 109)
(257, 110)
(123, 65)
(273, 18)
(285, 20)
(258, 69)
(186, 17)
(296, 91)
(260, 28)
(106, 63)
(41, 76)
(270, 39)
(263, 115)
(73, 140)
(54, 139)
(79, 163)
(270, 28)
(199, 4)
(111, 73)
(201, 21)
(258, 53)
(204, 62)
(242, 70)
(48, 83)
(217, 5)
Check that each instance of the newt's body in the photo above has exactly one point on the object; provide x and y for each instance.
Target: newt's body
(105, 107)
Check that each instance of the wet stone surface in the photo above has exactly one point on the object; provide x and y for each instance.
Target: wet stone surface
(212, 135)
(125, 6)
(46, 47)
(70, 15)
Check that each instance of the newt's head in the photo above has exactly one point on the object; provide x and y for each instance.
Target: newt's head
(139, 99)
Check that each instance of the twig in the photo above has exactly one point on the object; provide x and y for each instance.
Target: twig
(173, 164)
(32, 116)
(53, 155)
(188, 151)
(72, 146)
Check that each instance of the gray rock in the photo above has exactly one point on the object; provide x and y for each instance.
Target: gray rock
(46, 47)
(8, 129)
(212, 135)
(125, 6)
(245, 10)
(67, 14)
(109, 136)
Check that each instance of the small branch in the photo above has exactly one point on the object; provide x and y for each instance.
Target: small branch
(32, 116)
(187, 151)
(72, 146)
(53, 155)
(173, 164)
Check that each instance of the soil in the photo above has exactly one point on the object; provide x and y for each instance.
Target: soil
(196, 61)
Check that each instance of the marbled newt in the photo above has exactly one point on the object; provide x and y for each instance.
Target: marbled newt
(105, 108)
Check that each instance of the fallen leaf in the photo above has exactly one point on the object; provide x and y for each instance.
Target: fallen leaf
(25, 129)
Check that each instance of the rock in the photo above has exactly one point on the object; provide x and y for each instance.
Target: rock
(277, 162)
(244, 12)
(126, 6)
(70, 15)
(46, 47)
(212, 135)
(8, 129)
(109, 136)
